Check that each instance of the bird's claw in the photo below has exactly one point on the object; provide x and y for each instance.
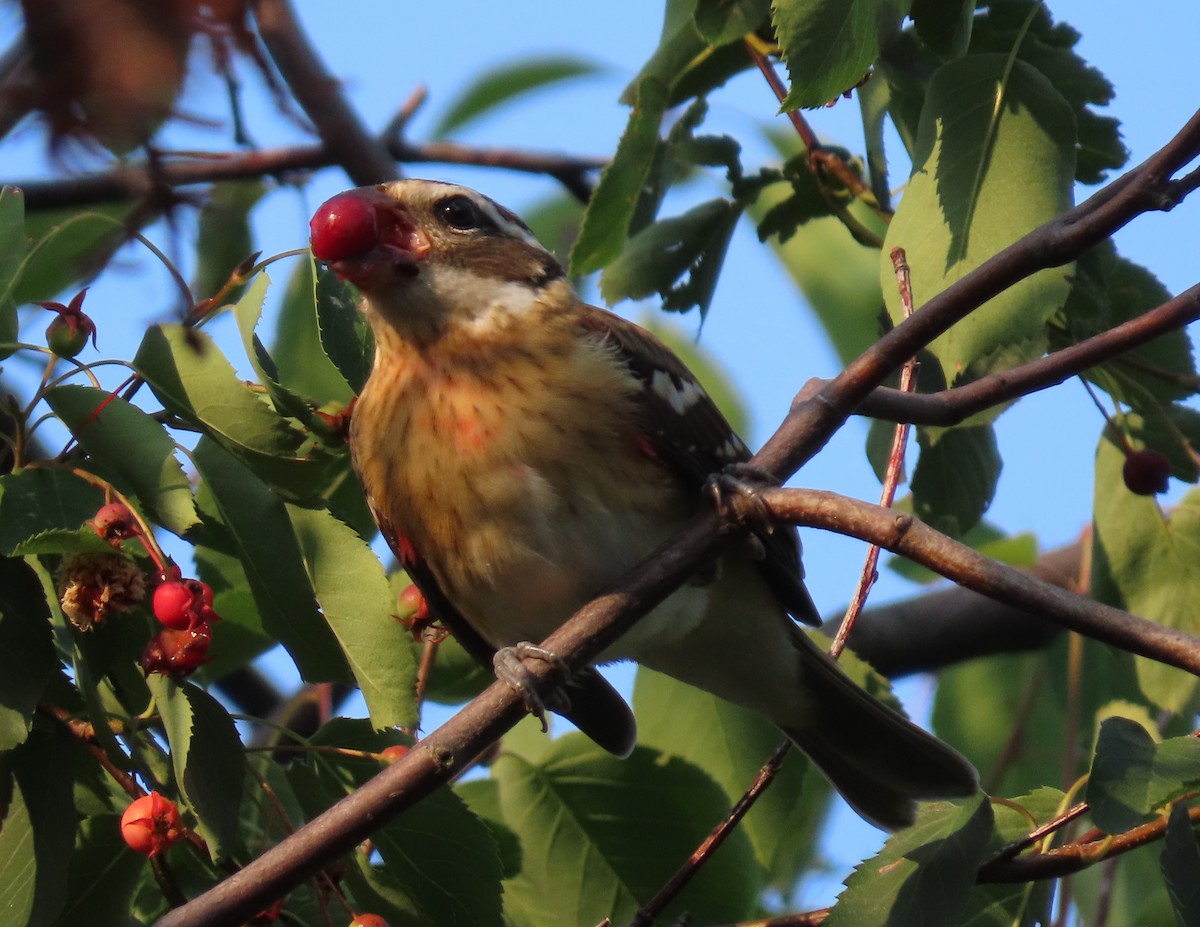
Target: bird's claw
(509, 668)
(735, 490)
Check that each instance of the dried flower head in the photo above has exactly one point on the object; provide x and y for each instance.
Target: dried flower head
(91, 586)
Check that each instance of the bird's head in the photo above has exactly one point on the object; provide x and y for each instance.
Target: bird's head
(428, 253)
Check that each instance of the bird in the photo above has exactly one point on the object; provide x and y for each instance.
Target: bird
(521, 449)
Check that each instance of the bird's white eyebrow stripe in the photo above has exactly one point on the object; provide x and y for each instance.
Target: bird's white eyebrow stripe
(505, 220)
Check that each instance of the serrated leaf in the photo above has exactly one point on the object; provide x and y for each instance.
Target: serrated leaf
(133, 447)
(265, 543)
(679, 258)
(207, 756)
(1149, 564)
(297, 347)
(357, 602)
(28, 660)
(611, 210)
(731, 744)
(247, 311)
(1027, 29)
(632, 820)
(345, 334)
(1180, 862)
(680, 46)
(994, 160)
(955, 477)
(223, 238)
(38, 827)
(195, 381)
(1132, 776)
(44, 509)
(12, 249)
(505, 83)
(829, 45)
(102, 876)
(924, 873)
(241, 635)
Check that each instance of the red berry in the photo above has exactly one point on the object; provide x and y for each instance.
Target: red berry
(175, 605)
(368, 920)
(177, 652)
(114, 522)
(343, 226)
(151, 824)
(1146, 472)
(393, 753)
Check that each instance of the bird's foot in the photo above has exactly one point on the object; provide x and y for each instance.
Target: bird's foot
(736, 492)
(509, 668)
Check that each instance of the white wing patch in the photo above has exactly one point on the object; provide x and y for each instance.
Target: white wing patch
(679, 394)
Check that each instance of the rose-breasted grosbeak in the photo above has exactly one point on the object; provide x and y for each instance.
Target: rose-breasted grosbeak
(521, 449)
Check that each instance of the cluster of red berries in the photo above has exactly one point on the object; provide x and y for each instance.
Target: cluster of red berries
(184, 608)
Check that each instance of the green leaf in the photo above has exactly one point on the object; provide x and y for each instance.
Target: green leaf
(725, 21)
(193, 380)
(1107, 291)
(506, 82)
(265, 543)
(42, 510)
(108, 427)
(1180, 863)
(1133, 777)
(345, 334)
(731, 744)
(297, 347)
(241, 637)
(829, 45)
(37, 827)
(440, 861)
(68, 246)
(924, 873)
(28, 660)
(691, 246)
(611, 210)
(1026, 28)
(632, 820)
(944, 26)
(994, 160)
(955, 477)
(223, 239)
(207, 756)
(12, 249)
(248, 311)
(1148, 564)
(356, 600)
(102, 876)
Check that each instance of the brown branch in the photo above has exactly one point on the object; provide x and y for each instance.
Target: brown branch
(135, 181)
(951, 406)
(362, 156)
(905, 535)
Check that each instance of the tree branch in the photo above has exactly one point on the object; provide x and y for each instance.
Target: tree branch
(365, 160)
(951, 406)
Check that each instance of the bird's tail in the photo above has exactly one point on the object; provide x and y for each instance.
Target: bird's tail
(879, 761)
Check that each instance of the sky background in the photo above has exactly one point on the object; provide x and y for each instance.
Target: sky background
(758, 326)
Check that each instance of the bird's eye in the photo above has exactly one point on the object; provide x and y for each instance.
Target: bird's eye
(460, 213)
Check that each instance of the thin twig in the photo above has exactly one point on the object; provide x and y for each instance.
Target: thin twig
(648, 912)
(892, 475)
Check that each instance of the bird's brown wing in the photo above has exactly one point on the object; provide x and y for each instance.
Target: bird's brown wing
(596, 708)
(687, 431)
